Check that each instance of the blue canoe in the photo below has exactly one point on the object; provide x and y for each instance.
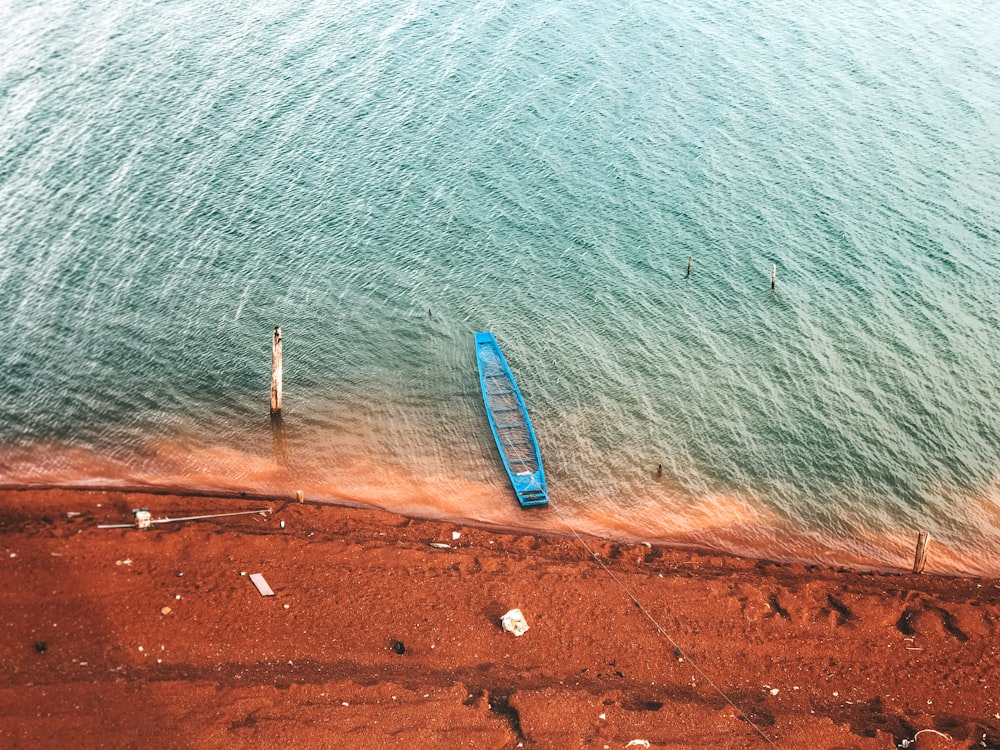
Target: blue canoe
(509, 421)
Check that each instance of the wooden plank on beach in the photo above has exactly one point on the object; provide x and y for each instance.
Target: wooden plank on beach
(258, 580)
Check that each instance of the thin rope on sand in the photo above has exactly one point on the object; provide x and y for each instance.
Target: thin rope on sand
(661, 630)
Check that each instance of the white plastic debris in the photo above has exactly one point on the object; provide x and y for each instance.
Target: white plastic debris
(258, 580)
(514, 622)
(143, 518)
(638, 743)
(456, 535)
(439, 545)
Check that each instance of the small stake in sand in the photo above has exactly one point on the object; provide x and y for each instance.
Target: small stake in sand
(276, 371)
(920, 557)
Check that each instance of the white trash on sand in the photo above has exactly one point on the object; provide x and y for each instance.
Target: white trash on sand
(514, 622)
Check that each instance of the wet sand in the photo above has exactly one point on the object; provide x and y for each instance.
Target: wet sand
(126, 638)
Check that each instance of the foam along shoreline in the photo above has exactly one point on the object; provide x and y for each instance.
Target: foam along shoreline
(726, 527)
(137, 638)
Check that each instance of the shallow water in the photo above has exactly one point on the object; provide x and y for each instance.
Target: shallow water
(383, 181)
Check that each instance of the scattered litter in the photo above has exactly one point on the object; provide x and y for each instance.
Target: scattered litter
(123, 562)
(177, 596)
(455, 536)
(165, 611)
(440, 545)
(41, 647)
(288, 606)
(514, 622)
(602, 717)
(73, 514)
(774, 691)
(638, 743)
(243, 572)
(258, 580)
(143, 518)
(282, 524)
(398, 647)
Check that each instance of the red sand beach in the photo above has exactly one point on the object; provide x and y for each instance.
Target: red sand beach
(126, 638)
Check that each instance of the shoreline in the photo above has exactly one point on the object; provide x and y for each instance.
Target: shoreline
(855, 562)
(154, 638)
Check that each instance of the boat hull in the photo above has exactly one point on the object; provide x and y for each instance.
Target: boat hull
(510, 424)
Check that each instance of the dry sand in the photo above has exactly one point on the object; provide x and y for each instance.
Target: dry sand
(126, 638)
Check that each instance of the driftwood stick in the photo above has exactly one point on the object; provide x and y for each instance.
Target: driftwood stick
(920, 557)
(689, 267)
(276, 371)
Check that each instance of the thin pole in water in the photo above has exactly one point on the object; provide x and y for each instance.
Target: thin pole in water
(774, 276)
(276, 371)
(920, 557)
(689, 268)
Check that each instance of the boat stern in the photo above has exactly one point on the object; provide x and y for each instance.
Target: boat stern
(530, 489)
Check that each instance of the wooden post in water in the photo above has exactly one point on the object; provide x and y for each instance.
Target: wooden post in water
(774, 276)
(276, 372)
(689, 268)
(920, 557)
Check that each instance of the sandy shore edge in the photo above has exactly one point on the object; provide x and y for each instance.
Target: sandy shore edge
(157, 638)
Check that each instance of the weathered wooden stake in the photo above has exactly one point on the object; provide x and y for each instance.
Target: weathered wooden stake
(276, 371)
(774, 276)
(689, 267)
(299, 496)
(921, 554)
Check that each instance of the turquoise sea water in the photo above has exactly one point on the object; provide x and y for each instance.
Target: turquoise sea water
(384, 179)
